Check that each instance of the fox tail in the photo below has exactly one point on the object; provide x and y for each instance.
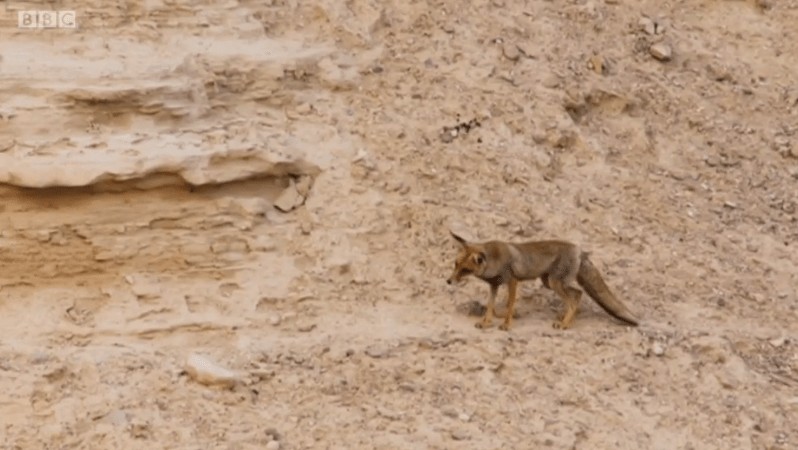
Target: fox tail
(589, 278)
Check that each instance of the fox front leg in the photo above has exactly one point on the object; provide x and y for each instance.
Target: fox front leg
(485, 322)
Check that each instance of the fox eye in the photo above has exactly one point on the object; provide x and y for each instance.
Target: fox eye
(479, 259)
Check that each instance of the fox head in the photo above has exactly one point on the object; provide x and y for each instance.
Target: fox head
(470, 261)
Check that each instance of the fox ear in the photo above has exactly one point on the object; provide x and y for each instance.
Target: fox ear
(479, 258)
(458, 239)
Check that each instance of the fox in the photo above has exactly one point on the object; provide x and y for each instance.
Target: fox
(562, 266)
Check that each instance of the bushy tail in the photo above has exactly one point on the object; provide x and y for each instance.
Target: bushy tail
(590, 280)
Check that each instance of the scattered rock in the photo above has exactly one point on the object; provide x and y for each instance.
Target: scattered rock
(459, 435)
(273, 434)
(648, 25)
(597, 64)
(263, 244)
(408, 387)
(528, 50)
(306, 327)
(778, 342)
(377, 351)
(203, 371)
(143, 288)
(550, 81)
(449, 133)
(450, 411)
(389, 414)
(39, 358)
(511, 51)
(117, 418)
(661, 51)
(303, 185)
(657, 349)
(290, 198)
(472, 308)
(734, 373)
(273, 445)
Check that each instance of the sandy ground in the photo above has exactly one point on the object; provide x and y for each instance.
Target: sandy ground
(142, 155)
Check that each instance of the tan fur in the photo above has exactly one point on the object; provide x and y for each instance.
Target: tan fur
(561, 265)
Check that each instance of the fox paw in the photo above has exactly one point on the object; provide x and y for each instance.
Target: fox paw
(505, 326)
(557, 325)
(482, 324)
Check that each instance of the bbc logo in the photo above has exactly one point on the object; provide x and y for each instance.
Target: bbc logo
(46, 19)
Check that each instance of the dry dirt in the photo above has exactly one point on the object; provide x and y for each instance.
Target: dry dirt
(143, 152)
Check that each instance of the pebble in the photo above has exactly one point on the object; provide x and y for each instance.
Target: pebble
(206, 372)
(658, 350)
(648, 25)
(511, 51)
(377, 351)
(273, 445)
(661, 51)
(450, 411)
(290, 198)
(306, 327)
(459, 435)
(778, 342)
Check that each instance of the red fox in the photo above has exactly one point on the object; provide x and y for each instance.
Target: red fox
(562, 266)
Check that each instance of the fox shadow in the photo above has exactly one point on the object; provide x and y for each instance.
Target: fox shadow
(540, 302)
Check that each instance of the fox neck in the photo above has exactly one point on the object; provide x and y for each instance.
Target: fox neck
(494, 271)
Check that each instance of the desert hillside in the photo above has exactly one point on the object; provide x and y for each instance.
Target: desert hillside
(225, 225)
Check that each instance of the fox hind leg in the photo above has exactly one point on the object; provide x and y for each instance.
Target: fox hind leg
(571, 297)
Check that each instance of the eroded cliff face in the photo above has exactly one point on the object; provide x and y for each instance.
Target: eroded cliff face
(271, 184)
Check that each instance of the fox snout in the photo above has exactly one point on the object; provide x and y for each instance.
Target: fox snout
(455, 277)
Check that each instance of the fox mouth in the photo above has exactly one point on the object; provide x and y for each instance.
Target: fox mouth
(456, 279)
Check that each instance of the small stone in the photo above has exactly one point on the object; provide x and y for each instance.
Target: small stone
(39, 358)
(204, 371)
(511, 51)
(306, 327)
(450, 411)
(459, 435)
(273, 434)
(661, 51)
(273, 445)
(118, 418)
(144, 290)
(550, 81)
(648, 25)
(596, 64)
(528, 50)
(778, 342)
(289, 199)
(389, 414)
(408, 387)
(263, 244)
(464, 417)
(303, 185)
(275, 320)
(376, 351)
(657, 350)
